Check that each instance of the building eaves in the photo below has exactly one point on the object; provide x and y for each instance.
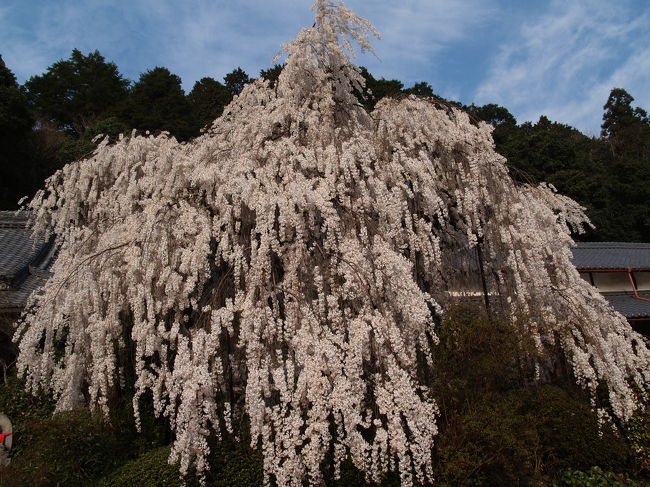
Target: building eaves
(628, 305)
(24, 260)
(611, 255)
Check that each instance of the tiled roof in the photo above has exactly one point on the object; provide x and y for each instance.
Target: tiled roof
(23, 260)
(611, 255)
(628, 305)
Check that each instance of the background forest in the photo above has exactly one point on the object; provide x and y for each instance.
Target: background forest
(53, 118)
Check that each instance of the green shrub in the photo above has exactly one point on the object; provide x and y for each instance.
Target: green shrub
(637, 431)
(23, 408)
(525, 436)
(569, 432)
(352, 477)
(148, 470)
(498, 429)
(478, 355)
(70, 449)
(154, 432)
(234, 464)
(594, 477)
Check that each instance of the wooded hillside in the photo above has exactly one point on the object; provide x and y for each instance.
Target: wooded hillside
(53, 118)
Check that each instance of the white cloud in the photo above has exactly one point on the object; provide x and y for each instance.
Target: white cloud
(195, 38)
(415, 32)
(564, 63)
(215, 37)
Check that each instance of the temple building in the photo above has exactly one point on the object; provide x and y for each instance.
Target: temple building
(24, 264)
(621, 272)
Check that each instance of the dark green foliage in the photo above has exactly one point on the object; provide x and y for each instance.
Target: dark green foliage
(352, 477)
(493, 114)
(70, 104)
(72, 449)
(272, 74)
(154, 433)
(16, 123)
(148, 470)
(157, 103)
(487, 444)
(8, 350)
(482, 438)
(384, 87)
(420, 89)
(567, 428)
(7, 78)
(208, 99)
(236, 80)
(23, 409)
(637, 431)
(15, 118)
(72, 149)
(594, 477)
(496, 428)
(626, 159)
(234, 464)
(74, 94)
(627, 129)
(376, 89)
(478, 355)
(611, 183)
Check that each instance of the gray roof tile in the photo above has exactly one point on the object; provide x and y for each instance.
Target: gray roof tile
(611, 255)
(628, 305)
(23, 260)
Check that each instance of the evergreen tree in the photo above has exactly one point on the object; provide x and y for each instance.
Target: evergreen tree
(626, 159)
(376, 89)
(157, 103)
(626, 129)
(236, 80)
(76, 93)
(18, 176)
(420, 89)
(208, 98)
(493, 114)
(272, 74)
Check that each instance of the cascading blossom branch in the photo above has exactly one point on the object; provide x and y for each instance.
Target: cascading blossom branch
(289, 263)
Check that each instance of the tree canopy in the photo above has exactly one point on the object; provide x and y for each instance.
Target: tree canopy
(236, 80)
(157, 103)
(17, 176)
(272, 74)
(607, 175)
(624, 126)
(75, 93)
(292, 264)
(208, 99)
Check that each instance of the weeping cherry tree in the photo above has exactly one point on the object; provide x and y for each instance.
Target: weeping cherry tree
(291, 263)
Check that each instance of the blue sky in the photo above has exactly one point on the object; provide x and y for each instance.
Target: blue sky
(557, 58)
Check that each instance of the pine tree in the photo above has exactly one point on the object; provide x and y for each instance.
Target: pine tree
(76, 93)
(157, 103)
